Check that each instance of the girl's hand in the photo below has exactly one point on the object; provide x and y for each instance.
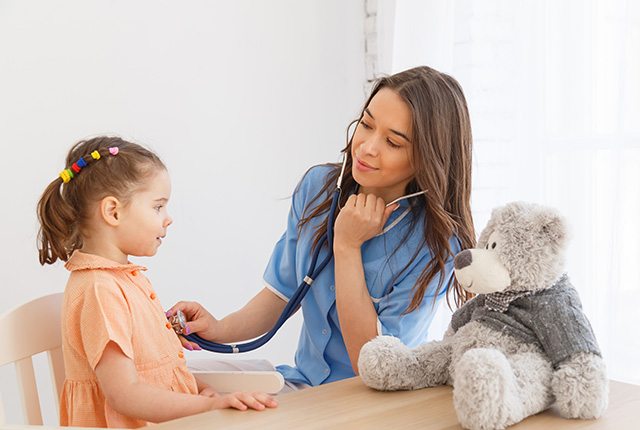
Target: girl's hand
(199, 320)
(209, 392)
(244, 400)
(361, 218)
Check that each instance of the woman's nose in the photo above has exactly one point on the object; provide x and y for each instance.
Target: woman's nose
(370, 145)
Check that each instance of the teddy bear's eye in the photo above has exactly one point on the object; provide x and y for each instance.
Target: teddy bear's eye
(493, 246)
(487, 246)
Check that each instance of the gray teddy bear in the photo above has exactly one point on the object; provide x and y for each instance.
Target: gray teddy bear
(522, 343)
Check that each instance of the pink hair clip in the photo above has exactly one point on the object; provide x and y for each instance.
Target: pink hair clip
(113, 150)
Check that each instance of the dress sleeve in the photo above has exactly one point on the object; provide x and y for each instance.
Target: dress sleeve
(105, 317)
(412, 328)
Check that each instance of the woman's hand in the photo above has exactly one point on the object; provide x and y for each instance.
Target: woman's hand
(361, 218)
(253, 320)
(199, 320)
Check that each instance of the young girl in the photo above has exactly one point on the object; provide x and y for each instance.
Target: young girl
(124, 364)
(392, 264)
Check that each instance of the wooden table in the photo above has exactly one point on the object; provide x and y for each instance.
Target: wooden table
(349, 404)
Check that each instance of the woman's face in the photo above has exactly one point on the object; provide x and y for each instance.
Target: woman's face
(381, 147)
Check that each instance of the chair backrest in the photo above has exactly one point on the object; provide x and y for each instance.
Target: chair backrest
(25, 331)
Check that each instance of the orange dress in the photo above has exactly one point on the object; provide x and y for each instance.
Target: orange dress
(107, 301)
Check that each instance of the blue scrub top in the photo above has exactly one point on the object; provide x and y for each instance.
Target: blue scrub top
(322, 356)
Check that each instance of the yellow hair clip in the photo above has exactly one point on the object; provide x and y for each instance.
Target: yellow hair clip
(66, 175)
(96, 155)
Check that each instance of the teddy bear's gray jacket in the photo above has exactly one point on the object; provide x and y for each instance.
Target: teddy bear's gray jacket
(551, 318)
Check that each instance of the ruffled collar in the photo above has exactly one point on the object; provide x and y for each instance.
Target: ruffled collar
(83, 261)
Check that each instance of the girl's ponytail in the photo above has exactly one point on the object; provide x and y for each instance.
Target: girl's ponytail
(57, 234)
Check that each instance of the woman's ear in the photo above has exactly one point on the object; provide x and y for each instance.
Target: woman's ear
(110, 210)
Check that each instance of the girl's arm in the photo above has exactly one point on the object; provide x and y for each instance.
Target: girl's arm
(254, 319)
(361, 219)
(118, 379)
(205, 389)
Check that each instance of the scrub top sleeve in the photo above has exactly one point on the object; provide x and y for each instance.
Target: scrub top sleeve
(105, 317)
(280, 276)
(412, 328)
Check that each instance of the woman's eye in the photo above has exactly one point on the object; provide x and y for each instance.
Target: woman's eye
(365, 125)
(393, 145)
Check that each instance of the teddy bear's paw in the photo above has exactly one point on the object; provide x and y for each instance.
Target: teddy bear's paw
(581, 387)
(386, 364)
(484, 391)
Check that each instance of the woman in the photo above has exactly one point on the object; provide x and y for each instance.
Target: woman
(392, 264)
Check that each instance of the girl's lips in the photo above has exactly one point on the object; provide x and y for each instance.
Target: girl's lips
(363, 167)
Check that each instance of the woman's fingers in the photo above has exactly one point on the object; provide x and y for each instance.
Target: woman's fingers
(362, 217)
(198, 319)
(191, 346)
(189, 309)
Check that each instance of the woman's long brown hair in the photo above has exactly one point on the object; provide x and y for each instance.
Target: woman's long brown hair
(442, 147)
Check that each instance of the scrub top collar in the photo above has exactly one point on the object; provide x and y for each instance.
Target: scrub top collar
(403, 210)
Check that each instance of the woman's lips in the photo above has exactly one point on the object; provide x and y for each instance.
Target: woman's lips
(363, 167)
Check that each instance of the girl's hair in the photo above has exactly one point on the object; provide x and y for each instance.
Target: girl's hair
(441, 154)
(64, 208)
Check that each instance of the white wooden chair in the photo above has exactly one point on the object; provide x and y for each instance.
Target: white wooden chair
(25, 331)
(34, 327)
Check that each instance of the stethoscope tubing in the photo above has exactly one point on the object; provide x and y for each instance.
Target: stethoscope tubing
(294, 301)
(297, 297)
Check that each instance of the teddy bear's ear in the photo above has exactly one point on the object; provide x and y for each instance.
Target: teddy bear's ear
(553, 226)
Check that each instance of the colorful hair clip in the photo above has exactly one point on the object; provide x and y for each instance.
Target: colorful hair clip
(65, 176)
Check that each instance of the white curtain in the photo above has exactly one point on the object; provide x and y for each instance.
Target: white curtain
(554, 94)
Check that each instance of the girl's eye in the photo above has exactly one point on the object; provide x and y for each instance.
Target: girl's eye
(158, 208)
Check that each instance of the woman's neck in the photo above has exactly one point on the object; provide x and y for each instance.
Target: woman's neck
(388, 194)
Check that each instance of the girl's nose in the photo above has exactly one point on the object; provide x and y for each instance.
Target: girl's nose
(168, 220)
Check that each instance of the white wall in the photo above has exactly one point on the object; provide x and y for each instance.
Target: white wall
(239, 98)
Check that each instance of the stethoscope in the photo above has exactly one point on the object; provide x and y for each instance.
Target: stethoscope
(179, 321)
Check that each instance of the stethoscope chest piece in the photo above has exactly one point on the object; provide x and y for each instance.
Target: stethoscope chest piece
(178, 322)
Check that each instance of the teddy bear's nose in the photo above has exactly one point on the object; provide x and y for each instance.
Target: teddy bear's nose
(462, 260)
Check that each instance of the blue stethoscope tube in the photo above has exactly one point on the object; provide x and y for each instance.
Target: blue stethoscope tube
(296, 299)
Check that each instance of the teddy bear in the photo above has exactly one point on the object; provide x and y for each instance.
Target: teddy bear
(521, 344)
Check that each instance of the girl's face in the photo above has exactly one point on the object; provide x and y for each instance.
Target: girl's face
(381, 147)
(144, 220)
